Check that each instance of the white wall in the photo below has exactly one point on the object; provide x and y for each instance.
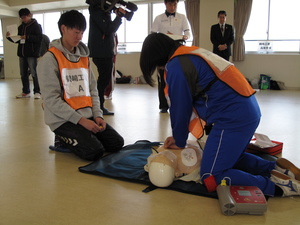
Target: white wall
(11, 60)
(128, 64)
(284, 68)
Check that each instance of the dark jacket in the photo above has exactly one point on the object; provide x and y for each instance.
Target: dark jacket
(33, 32)
(217, 39)
(101, 34)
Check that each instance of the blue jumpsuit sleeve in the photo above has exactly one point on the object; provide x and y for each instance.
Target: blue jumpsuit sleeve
(181, 102)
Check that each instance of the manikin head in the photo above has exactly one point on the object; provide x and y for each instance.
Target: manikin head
(165, 165)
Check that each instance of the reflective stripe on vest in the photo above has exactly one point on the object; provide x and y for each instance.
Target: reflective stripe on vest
(74, 77)
(196, 126)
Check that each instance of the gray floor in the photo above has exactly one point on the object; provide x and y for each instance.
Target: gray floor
(39, 186)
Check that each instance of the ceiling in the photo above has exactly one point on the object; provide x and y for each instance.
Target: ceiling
(55, 4)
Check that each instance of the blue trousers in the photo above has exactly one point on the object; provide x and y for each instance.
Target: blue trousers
(224, 156)
(25, 64)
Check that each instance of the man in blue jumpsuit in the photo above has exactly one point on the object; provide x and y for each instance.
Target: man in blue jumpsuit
(200, 80)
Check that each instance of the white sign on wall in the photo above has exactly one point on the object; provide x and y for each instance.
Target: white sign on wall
(265, 46)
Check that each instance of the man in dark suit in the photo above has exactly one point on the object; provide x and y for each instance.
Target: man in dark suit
(222, 36)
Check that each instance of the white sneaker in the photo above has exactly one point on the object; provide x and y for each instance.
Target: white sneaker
(285, 166)
(289, 186)
(37, 96)
(23, 95)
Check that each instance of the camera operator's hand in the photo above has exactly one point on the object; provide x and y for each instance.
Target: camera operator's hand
(120, 12)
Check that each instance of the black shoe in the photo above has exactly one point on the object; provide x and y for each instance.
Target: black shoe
(59, 149)
(107, 112)
(163, 110)
(58, 146)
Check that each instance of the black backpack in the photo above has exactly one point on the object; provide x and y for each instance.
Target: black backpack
(44, 45)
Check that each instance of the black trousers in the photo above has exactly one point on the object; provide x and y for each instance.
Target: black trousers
(105, 68)
(224, 54)
(163, 104)
(85, 143)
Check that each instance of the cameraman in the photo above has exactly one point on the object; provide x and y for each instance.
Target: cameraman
(101, 44)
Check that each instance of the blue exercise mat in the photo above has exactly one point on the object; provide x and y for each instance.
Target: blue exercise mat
(128, 165)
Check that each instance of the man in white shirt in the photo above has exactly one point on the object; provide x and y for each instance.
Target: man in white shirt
(177, 27)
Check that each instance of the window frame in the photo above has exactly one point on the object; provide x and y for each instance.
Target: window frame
(1, 41)
(125, 43)
(269, 45)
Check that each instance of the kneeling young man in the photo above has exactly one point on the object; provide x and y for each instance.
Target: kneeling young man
(69, 90)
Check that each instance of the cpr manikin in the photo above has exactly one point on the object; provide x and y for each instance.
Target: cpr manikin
(166, 165)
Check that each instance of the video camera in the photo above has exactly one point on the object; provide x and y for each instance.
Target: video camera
(108, 5)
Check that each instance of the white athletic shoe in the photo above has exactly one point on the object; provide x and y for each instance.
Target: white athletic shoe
(23, 95)
(37, 96)
(285, 166)
(289, 185)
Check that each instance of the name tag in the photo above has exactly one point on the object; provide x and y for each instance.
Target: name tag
(75, 82)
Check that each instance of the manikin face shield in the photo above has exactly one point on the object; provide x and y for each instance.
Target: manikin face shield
(167, 157)
(166, 165)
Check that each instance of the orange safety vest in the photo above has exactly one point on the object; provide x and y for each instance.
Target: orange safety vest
(224, 70)
(74, 79)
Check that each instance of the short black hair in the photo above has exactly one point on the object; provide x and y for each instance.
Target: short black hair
(223, 12)
(72, 19)
(24, 12)
(171, 1)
